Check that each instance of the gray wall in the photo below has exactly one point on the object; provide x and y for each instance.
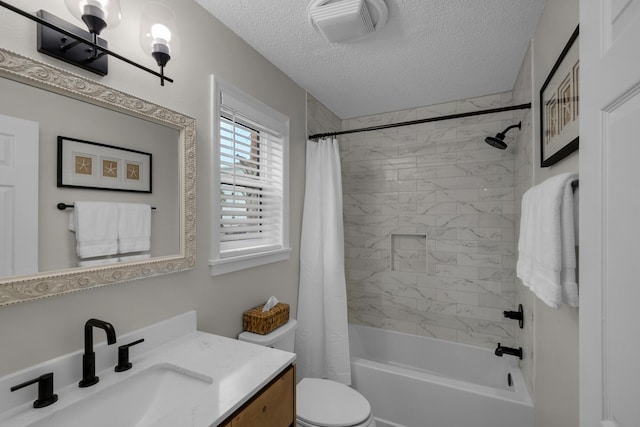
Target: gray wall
(429, 224)
(550, 340)
(36, 331)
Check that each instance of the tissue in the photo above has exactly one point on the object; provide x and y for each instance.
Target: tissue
(271, 302)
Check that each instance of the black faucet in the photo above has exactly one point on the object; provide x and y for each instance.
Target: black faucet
(46, 396)
(89, 377)
(508, 350)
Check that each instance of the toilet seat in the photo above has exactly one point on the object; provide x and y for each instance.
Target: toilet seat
(326, 403)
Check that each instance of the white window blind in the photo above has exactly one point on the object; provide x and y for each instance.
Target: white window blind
(251, 163)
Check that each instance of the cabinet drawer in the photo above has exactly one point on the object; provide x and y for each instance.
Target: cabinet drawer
(272, 407)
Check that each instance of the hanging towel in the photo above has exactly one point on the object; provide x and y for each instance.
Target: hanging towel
(546, 247)
(134, 227)
(96, 227)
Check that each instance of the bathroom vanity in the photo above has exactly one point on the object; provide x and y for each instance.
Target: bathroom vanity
(273, 406)
(179, 377)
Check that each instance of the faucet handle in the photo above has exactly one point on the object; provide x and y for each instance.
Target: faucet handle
(46, 396)
(123, 356)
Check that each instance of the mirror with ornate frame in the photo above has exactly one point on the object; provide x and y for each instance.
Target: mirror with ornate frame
(36, 74)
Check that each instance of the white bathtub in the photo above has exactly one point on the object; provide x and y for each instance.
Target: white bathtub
(414, 381)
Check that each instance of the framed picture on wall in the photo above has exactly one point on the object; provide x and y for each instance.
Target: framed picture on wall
(559, 107)
(84, 164)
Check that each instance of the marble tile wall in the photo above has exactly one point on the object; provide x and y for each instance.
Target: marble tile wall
(430, 223)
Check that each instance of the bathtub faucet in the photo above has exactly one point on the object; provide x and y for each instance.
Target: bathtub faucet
(508, 350)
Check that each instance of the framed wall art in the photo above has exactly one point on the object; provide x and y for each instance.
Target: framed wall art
(84, 164)
(559, 107)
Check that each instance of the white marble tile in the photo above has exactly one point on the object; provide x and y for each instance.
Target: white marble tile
(457, 297)
(458, 271)
(470, 208)
(457, 246)
(458, 220)
(416, 173)
(444, 146)
(457, 195)
(479, 260)
(502, 221)
(436, 233)
(398, 163)
(480, 155)
(436, 159)
(486, 181)
(497, 248)
(477, 233)
(496, 274)
(370, 154)
(436, 208)
(481, 313)
(370, 198)
(497, 194)
(438, 179)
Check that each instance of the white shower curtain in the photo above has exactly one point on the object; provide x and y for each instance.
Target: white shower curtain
(322, 341)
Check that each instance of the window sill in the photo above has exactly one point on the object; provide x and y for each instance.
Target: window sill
(231, 264)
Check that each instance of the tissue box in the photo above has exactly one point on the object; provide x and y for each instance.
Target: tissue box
(256, 321)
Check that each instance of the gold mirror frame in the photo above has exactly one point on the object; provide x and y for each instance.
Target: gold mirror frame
(17, 289)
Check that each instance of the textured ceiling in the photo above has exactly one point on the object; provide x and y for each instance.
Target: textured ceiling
(430, 51)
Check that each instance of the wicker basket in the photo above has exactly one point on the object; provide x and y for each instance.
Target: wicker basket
(256, 321)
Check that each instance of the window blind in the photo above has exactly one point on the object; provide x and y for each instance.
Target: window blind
(251, 184)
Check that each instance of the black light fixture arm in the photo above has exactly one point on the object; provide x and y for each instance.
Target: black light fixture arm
(96, 48)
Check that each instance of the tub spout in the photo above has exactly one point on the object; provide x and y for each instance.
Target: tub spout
(508, 350)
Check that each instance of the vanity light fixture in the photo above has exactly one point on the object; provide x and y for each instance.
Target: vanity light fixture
(158, 35)
(76, 46)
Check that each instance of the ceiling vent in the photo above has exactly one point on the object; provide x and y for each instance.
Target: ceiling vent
(347, 20)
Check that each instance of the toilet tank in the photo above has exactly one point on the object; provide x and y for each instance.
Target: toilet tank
(282, 338)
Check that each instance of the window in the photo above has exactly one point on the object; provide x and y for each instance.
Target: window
(250, 182)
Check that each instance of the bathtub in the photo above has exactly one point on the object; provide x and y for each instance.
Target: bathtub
(414, 381)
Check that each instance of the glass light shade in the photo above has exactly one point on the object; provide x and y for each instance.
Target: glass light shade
(158, 30)
(105, 10)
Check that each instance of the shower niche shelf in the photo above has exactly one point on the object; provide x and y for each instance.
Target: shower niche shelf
(408, 252)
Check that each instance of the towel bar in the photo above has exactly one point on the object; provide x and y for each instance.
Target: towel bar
(62, 206)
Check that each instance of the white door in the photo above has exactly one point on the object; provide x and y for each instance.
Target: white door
(610, 213)
(18, 196)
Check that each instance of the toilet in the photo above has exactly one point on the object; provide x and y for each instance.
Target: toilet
(319, 402)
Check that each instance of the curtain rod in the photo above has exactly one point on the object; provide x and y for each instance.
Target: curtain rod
(430, 119)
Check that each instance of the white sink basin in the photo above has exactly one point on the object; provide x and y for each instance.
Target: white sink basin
(134, 401)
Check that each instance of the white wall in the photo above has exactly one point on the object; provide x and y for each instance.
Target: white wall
(36, 331)
(552, 364)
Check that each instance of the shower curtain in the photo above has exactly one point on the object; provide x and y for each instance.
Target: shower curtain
(322, 341)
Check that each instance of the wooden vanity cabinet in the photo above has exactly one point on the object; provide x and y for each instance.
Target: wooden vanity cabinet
(273, 406)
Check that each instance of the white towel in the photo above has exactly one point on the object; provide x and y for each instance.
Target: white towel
(546, 248)
(134, 227)
(96, 227)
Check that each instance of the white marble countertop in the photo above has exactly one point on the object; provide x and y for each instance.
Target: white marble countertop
(238, 370)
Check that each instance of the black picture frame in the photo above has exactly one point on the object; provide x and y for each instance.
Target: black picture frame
(96, 166)
(559, 106)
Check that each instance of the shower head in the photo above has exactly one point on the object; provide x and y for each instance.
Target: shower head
(498, 140)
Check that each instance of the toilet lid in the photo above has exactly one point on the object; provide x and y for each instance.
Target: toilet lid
(328, 403)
